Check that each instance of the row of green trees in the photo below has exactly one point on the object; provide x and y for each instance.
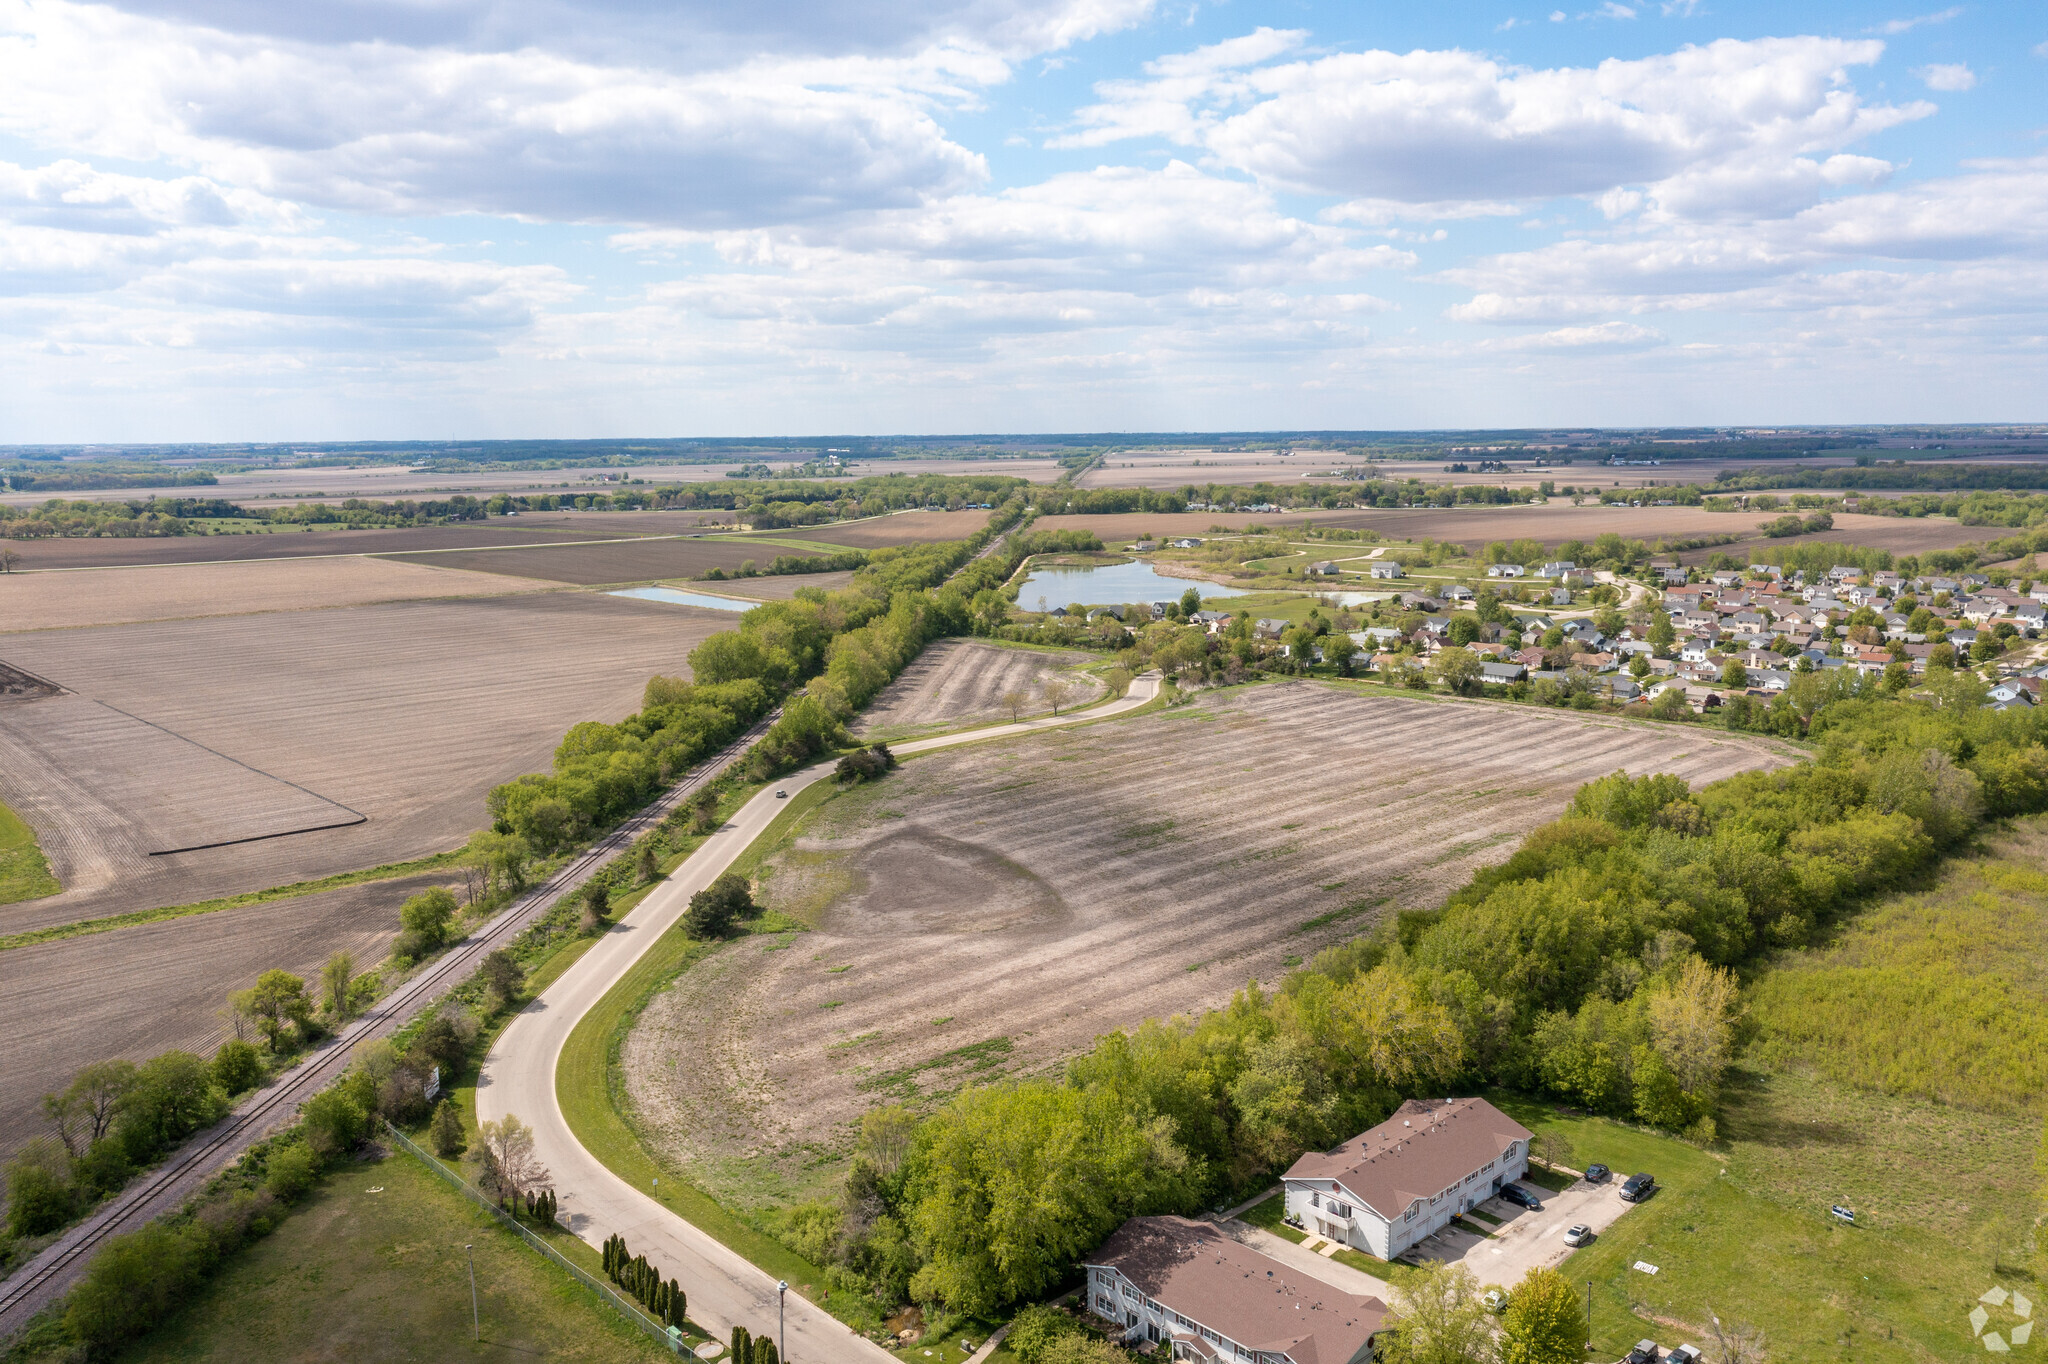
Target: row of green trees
(664, 1300)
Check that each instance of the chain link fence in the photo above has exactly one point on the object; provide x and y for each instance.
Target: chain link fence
(669, 1337)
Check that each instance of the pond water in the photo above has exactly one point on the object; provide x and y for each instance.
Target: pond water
(677, 597)
(1137, 580)
(1110, 584)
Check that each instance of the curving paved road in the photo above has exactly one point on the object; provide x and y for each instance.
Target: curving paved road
(518, 1076)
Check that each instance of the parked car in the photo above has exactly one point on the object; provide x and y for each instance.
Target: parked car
(1636, 1188)
(1578, 1234)
(1597, 1174)
(782, 795)
(1685, 1354)
(1645, 1352)
(1515, 1193)
(1495, 1300)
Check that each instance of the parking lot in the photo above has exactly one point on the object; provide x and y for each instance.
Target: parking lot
(1527, 1240)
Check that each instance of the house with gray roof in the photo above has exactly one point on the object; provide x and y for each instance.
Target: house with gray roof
(1390, 1187)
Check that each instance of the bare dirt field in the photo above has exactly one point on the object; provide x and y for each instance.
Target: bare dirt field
(380, 481)
(1474, 527)
(992, 909)
(780, 587)
(142, 990)
(903, 528)
(957, 681)
(1180, 468)
(115, 596)
(110, 551)
(617, 561)
(407, 713)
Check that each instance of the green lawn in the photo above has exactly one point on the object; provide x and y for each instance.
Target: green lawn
(358, 1275)
(1743, 1230)
(24, 875)
(584, 1081)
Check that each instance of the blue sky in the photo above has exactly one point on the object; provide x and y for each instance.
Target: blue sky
(231, 219)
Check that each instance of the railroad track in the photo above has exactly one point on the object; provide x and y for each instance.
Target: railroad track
(52, 1272)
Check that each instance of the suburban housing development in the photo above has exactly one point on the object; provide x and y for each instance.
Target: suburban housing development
(1398, 1183)
(1188, 1284)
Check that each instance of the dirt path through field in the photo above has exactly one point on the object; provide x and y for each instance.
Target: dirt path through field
(991, 910)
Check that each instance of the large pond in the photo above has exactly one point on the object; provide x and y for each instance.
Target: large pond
(675, 596)
(1110, 584)
(1136, 580)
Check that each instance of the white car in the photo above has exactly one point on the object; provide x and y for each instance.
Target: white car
(782, 795)
(1495, 1300)
(1578, 1234)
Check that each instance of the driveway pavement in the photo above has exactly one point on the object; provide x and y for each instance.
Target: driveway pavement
(1307, 1261)
(1528, 1240)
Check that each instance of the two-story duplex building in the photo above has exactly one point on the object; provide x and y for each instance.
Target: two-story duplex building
(1387, 1188)
(1188, 1284)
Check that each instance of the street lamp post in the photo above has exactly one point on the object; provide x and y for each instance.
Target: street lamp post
(476, 1320)
(781, 1321)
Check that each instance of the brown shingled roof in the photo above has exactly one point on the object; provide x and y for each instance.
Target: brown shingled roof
(1253, 1299)
(1421, 1151)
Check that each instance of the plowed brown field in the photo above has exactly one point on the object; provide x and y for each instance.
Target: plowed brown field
(992, 909)
(903, 528)
(1474, 527)
(141, 990)
(408, 713)
(957, 681)
(118, 596)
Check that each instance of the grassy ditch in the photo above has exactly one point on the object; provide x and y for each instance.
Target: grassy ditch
(24, 875)
(357, 1274)
(388, 872)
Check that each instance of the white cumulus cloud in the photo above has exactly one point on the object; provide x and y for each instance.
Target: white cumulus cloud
(1948, 76)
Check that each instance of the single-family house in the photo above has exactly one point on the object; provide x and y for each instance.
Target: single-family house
(1726, 577)
(1189, 1286)
(1674, 576)
(1556, 568)
(1325, 569)
(2029, 616)
(1390, 1187)
(1057, 613)
(1436, 625)
(1187, 543)
(1143, 546)
(1499, 671)
(1212, 621)
(1694, 651)
(1267, 628)
(1098, 612)
(1387, 568)
(1560, 596)
(1456, 593)
(1625, 688)
(1505, 570)
(1375, 636)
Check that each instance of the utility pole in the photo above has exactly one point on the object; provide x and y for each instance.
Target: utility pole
(1589, 1314)
(781, 1320)
(476, 1320)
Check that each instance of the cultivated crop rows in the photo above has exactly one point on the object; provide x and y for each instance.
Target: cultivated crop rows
(991, 910)
(961, 680)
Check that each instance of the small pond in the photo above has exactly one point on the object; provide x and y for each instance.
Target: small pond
(677, 597)
(1110, 584)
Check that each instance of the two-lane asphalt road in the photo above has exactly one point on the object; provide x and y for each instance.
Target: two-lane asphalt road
(519, 1076)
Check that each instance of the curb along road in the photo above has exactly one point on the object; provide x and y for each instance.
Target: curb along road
(155, 1192)
(519, 1076)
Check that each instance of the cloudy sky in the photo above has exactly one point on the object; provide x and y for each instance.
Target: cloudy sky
(240, 219)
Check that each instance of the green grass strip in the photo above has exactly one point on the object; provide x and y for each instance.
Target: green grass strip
(582, 1086)
(84, 927)
(24, 875)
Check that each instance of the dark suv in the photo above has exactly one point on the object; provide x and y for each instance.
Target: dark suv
(1636, 1188)
(1515, 1193)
